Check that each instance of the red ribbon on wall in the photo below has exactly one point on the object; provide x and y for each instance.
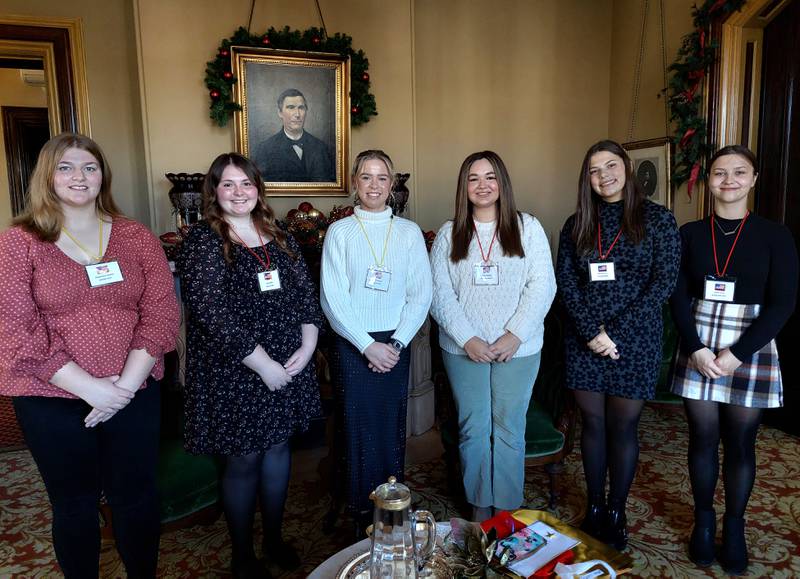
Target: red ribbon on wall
(693, 178)
(686, 136)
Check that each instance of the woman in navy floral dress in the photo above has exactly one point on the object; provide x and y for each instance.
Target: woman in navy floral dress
(252, 329)
(617, 264)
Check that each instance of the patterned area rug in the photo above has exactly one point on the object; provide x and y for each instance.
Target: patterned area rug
(659, 512)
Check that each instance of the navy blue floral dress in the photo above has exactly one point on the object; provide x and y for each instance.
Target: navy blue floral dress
(629, 307)
(229, 410)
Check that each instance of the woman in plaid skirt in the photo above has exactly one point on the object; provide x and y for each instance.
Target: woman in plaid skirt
(736, 289)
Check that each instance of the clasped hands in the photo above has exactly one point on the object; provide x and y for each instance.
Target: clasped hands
(602, 345)
(107, 396)
(713, 366)
(276, 376)
(501, 350)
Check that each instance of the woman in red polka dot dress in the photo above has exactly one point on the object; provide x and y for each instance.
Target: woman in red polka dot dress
(87, 310)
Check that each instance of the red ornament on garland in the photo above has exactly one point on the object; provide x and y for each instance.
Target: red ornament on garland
(355, 110)
(365, 76)
(214, 94)
(316, 40)
(265, 41)
(227, 75)
(224, 53)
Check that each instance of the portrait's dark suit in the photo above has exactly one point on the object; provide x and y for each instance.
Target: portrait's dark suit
(278, 161)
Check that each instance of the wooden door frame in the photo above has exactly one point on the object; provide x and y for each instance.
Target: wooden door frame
(14, 121)
(58, 42)
(734, 81)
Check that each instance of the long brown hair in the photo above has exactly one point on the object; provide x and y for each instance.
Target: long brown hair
(584, 228)
(508, 232)
(43, 215)
(262, 214)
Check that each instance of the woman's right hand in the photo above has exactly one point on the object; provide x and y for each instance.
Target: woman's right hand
(274, 375)
(382, 357)
(479, 351)
(706, 363)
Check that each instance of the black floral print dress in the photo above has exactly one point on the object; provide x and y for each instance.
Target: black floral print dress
(629, 307)
(229, 410)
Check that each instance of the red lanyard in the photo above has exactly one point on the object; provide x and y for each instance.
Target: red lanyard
(600, 242)
(484, 256)
(730, 253)
(250, 249)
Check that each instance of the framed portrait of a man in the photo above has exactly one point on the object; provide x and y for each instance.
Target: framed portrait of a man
(295, 118)
(651, 166)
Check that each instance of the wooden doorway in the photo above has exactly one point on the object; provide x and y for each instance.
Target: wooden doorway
(25, 131)
(778, 191)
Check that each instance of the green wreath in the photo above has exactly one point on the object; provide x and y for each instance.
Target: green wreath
(696, 56)
(220, 79)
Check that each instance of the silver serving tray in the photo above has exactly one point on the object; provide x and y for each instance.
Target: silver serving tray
(355, 568)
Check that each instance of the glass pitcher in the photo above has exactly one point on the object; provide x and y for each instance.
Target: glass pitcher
(401, 540)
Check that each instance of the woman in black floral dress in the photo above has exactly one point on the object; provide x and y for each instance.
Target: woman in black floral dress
(252, 330)
(617, 263)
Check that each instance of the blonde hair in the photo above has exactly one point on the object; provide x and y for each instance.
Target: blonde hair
(43, 215)
(370, 155)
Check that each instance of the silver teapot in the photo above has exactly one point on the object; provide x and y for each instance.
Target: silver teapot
(402, 541)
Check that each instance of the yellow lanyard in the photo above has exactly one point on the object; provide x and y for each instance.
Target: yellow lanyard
(385, 241)
(83, 249)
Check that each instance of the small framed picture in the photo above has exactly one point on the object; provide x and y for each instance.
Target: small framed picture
(295, 118)
(652, 161)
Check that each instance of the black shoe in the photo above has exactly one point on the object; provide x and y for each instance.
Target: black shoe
(733, 554)
(250, 568)
(701, 543)
(616, 531)
(595, 518)
(281, 554)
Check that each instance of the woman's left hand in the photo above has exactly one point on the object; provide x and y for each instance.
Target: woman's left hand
(505, 347)
(96, 416)
(298, 361)
(727, 362)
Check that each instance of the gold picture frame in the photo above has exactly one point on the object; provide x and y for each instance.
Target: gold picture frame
(652, 165)
(317, 163)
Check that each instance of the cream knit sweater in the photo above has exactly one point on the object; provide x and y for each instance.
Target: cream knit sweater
(355, 310)
(518, 304)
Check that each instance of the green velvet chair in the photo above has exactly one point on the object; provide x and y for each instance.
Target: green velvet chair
(549, 435)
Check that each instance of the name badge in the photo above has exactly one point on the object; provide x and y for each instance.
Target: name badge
(101, 274)
(601, 270)
(269, 280)
(378, 279)
(719, 289)
(486, 274)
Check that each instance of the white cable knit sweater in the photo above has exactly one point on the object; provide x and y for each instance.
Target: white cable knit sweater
(355, 310)
(518, 304)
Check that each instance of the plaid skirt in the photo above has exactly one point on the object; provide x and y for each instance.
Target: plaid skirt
(756, 383)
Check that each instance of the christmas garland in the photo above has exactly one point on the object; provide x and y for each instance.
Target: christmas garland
(695, 58)
(220, 79)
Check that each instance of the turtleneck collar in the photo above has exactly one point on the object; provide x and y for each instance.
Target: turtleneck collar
(382, 216)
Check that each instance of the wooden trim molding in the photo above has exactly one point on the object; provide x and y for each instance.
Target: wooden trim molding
(725, 98)
(59, 42)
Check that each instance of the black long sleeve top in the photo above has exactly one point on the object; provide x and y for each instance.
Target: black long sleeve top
(764, 263)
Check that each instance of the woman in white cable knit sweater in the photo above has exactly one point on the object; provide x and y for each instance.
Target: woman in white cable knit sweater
(493, 285)
(376, 291)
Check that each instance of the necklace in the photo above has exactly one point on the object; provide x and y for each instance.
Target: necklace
(92, 256)
(726, 233)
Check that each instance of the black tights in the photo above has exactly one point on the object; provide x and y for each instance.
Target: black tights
(609, 442)
(737, 426)
(265, 474)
